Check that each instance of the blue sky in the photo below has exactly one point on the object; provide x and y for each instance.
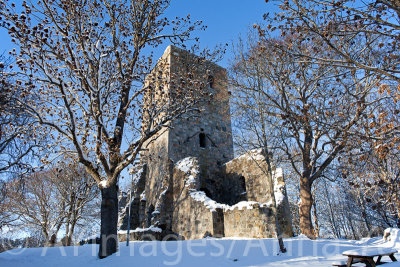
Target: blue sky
(225, 19)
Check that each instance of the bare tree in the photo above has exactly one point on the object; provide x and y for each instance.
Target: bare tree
(35, 204)
(315, 107)
(85, 63)
(75, 186)
(16, 146)
(254, 132)
(374, 172)
(346, 210)
(53, 200)
(340, 25)
(357, 35)
(5, 217)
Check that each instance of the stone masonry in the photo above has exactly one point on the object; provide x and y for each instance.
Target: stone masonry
(191, 186)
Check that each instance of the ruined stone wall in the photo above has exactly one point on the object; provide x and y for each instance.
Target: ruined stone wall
(135, 204)
(252, 168)
(158, 173)
(190, 214)
(249, 171)
(155, 151)
(191, 219)
(256, 222)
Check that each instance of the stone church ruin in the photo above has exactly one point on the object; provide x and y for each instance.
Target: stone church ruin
(190, 184)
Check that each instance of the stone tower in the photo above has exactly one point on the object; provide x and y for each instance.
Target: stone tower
(206, 135)
(190, 164)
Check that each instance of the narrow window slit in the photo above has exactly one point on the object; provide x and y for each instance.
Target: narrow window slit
(202, 140)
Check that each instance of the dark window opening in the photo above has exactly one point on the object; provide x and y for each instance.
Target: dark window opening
(150, 215)
(202, 140)
(206, 191)
(211, 81)
(242, 182)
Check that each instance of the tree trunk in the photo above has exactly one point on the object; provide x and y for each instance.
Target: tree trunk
(343, 223)
(68, 240)
(275, 210)
(46, 237)
(353, 232)
(316, 218)
(271, 181)
(397, 212)
(306, 226)
(109, 220)
(364, 213)
(68, 222)
(397, 221)
(332, 220)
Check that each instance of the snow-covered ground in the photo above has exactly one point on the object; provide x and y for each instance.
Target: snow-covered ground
(203, 252)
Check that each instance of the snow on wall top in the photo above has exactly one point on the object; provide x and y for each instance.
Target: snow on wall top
(278, 172)
(212, 205)
(208, 202)
(137, 230)
(243, 205)
(188, 166)
(254, 154)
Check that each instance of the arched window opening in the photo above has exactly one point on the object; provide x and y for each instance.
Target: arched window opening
(202, 140)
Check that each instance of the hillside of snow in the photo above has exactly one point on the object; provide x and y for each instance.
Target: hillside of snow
(195, 253)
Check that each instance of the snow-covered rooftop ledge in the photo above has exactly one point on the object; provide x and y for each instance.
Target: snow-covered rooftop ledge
(212, 205)
(189, 166)
(244, 205)
(139, 230)
(255, 154)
